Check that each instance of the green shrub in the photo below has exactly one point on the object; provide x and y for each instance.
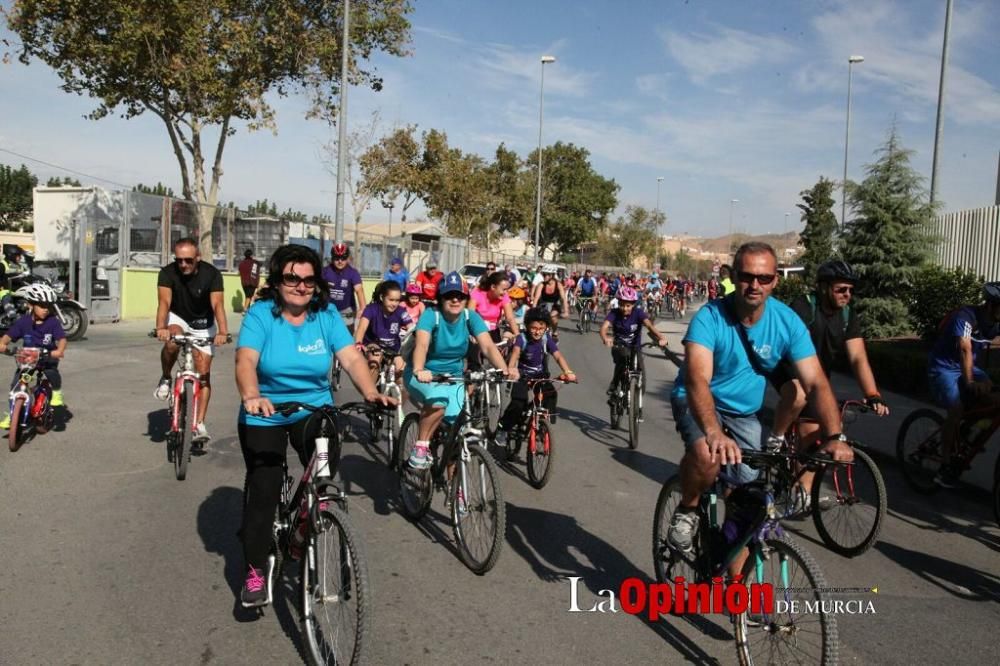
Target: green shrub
(937, 292)
(790, 288)
(900, 365)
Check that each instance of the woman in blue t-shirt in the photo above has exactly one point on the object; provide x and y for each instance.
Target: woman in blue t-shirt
(285, 350)
(440, 347)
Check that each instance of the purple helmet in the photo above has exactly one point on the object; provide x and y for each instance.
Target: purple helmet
(626, 293)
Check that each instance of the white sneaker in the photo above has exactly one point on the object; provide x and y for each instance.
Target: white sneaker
(500, 437)
(201, 434)
(162, 391)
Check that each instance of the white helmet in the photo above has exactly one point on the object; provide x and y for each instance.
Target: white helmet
(549, 268)
(37, 292)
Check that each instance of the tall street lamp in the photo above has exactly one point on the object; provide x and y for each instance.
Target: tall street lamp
(659, 181)
(538, 204)
(732, 205)
(847, 138)
(940, 105)
(786, 223)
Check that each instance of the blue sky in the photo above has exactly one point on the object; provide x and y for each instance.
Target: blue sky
(724, 100)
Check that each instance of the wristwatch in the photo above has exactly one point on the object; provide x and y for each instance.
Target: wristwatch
(837, 436)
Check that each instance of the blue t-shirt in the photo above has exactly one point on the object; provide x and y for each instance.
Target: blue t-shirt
(626, 329)
(295, 361)
(735, 386)
(449, 340)
(400, 278)
(587, 286)
(44, 335)
(961, 323)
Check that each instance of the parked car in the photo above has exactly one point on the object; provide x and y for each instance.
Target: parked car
(472, 274)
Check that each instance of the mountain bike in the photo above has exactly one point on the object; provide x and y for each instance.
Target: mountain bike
(919, 447)
(626, 398)
(586, 309)
(311, 525)
(653, 306)
(30, 405)
(848, 502)
(466, 473)
(487, 398)
(748, 519)
(535, 429)
(182, 405)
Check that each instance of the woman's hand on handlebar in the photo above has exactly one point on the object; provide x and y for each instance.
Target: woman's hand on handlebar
(258, 407)
(513, 374)
(424, 376)
(377, 398)
(569, 377)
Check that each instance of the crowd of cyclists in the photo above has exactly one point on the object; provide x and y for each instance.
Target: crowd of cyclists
(432, 324)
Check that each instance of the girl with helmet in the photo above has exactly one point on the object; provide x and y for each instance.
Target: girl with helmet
(625, 337)
(517, 302)
(414, 306)
(39, 328)
(440, 347)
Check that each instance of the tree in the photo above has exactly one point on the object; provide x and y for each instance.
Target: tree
(159, 189)
(820, 226)
(634, 235)
(60, 182)
(576, 200)
(206, 65)
(362, 186)
(16, 199)
(887, 241)
(391, 168)
(458, 192)
(512, 203)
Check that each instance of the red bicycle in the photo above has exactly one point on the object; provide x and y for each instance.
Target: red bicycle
(536, 429)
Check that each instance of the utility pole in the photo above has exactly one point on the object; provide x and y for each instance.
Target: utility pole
(342, 127)
(939, 129)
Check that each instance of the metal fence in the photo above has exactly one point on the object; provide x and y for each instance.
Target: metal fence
(970, 239)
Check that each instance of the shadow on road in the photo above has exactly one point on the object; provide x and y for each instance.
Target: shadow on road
(157, 425)
(61, 417)
(956, 579)
(557, 547)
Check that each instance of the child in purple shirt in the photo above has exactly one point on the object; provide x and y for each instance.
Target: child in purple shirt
(381, 326)
(529, 356)
(624, 324)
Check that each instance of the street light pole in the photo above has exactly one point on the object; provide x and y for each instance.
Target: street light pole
(940, 105)
(390, 206)
(342, 128)
(732, 205)
(786, 223)
(847, 138)
(659, 181)
(538, 203)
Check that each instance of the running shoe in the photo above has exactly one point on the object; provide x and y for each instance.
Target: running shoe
(254, 592)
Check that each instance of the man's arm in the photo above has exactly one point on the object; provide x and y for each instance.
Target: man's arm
(819, 393)
(359, 293)
(218, 301)
(697, 381)
(164, 296)
(863, 371)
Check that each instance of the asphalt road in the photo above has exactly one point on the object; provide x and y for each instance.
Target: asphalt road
(109, 560)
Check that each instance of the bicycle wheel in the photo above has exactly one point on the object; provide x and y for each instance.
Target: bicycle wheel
(792, 634)
(849, 504)
(996, 492)
(14, 431)
(633, 414)
(616, 416)
(918, 449)
(414, 484)
(336, 593)
(182, 438)
(395, 425)
(668, 564)
(493, 399)
(540, 460)
(478, 512)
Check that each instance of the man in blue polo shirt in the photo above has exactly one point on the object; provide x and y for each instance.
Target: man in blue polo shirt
(730, 347)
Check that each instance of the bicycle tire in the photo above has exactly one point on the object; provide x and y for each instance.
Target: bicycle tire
(14, 439)
(540, 461)
(860, 503)
(182, 440)
(415, 487)
(493, 401)
(479, 503)
(667, 563)
(770, 632)
(335, 558)
(923, 447)
(996, 491)
(633, 414)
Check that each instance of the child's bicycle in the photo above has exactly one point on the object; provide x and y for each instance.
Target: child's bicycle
(626, 398)
(30, 405)
(535, 429)
(749, 520)
(472, 492)
(311, 525)
(182, 406)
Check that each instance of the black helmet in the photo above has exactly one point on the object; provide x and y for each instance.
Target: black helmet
(836, 271)
(991, 292)
(535, 314)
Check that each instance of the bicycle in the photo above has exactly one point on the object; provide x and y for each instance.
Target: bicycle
(751, 521)
(31, 409)
(585, 307)
(311, 525)
(653, 306)
(472, 491)
(848, 502)
(392, 417)
(182, 405)
(486, 400)
(536, 429)
(626, 398)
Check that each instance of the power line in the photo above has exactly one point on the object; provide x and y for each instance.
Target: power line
(62, 168)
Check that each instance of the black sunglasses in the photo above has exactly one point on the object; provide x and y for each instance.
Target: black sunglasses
(748, 278)
(293, 280)
(340, 257)
(843, 290)
(185, 260)
(456, 296)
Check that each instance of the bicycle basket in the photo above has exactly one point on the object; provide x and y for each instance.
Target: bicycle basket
(27, 357)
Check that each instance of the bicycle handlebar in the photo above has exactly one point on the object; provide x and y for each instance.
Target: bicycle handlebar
(189, 339)
(468, 377)
(42, 352)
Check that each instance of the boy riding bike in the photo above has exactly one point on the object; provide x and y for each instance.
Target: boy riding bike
(623, 322)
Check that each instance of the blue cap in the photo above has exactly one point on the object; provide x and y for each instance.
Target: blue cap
(453, 283)
(396, 261)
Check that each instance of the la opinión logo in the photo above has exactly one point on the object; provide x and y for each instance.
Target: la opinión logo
(636, 596)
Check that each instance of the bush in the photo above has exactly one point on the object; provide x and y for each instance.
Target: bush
(938, 291)
(790, 288)
(900, 365)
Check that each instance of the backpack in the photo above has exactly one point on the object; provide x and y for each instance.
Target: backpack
(545, 348)
(406, 349)
(845, 312)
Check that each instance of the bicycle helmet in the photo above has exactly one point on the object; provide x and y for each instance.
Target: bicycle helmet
(340, 250)
(37, 292)
(516, 293)
(414, 288)
(836, 271)
(549, 269)
(453, 284)
(627, 294)
(991, 292)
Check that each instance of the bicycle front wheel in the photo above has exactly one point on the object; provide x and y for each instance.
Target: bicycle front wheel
(793, 632)
(336, 593)
(540, 459)
(849, 504)
(633, 414)
(415, 487)
(919, 449)
(185, 423)
(14, 431)
(478, 512)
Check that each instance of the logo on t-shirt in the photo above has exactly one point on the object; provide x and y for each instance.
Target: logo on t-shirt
(318, 347)
(394, 328)
(343, 283)
(764, 352)
(46, 339)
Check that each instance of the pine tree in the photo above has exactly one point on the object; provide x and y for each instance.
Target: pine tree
(820, 226)
(887, 240)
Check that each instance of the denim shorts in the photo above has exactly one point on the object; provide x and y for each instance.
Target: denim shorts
(746, 430)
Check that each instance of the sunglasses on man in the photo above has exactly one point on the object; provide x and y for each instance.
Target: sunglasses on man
(846, 289)
(185, 260)
(340, 257)
(748, 278)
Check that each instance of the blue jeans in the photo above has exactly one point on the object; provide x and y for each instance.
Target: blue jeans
(746, 430)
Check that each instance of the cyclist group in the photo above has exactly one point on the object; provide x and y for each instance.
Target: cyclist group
(734, 346)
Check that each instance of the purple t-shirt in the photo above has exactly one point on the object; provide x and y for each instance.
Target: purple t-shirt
(342, 285)
(384, 329)
(531, 363)
(44, 335)
(626, 329)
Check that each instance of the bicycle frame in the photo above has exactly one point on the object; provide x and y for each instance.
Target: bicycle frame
(184, 373)
(537, 411)
(39, 395)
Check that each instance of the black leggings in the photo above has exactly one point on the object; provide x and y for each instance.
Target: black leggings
(263, 450)
(621, 356)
